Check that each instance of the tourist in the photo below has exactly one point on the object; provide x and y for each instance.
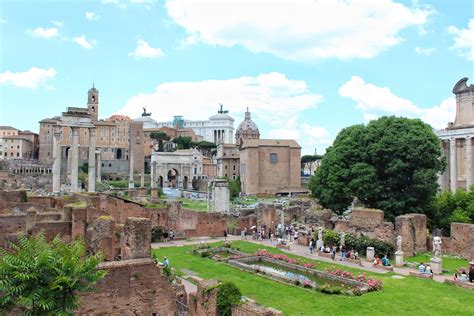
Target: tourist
(167, 262)
(327, 249)
(343, 252)
(245, 233)
(311, 245)
(356, 255)
(421, 268)
(471, 274)
(455, 276)
(269, 233)
(296, 236)
(428, 270)
(171, 235)
(349, 254)
(385, 261)
(463, 277)
(165, 236)
(376, 261)
(225, 235)
(334, 250)
(271, 239)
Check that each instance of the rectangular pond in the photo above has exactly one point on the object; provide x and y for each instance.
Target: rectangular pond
(298, 275)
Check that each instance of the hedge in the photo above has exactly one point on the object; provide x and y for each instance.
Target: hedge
(359, 244)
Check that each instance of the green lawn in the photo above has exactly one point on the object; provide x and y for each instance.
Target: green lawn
(449, 263)
(200, 206)
(408, 296)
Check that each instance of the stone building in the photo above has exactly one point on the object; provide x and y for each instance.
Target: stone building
(15, 144)
(270, 166)
(246, 130)
(117, 138)
(228, 161)
(456, 140)
(218, 129)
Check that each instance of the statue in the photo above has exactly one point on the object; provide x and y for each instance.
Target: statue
(399, 243)
(144, 112)
(343, 239)
(320, 233)
(437, 247)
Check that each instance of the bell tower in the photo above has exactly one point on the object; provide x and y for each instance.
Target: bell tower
(93, 103)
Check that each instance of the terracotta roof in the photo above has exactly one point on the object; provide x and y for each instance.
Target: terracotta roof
(269, 143)
(8, 128)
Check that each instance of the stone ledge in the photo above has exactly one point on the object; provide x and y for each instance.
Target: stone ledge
(287, 247)
(131, 262)
(421, 275)
(465, 285)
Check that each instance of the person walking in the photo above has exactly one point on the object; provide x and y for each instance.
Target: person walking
(311, 245)
(225, 235)
(343, 252)
(334, 250)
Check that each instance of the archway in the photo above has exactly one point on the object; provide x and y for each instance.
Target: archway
(119, 153)
(185, 182)
(173, 178)
(160, 181)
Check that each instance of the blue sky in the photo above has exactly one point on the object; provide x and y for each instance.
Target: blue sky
(305, 68)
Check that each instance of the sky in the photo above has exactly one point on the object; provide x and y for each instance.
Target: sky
(305, 68)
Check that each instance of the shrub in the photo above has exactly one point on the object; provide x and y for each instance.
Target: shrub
(227, 295)
(156, 233)
(359, 244)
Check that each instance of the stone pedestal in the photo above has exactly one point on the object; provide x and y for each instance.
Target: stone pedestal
(399, 258)
(154, 193)
(436, 266)
(370, 253)
(319, 244)
(141, 192)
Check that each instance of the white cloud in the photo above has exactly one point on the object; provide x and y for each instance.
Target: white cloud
(275, 101)
(58, 23)
(43, 32)
(375, 101)
(32, 78)
(424, 51)
(464, 40)
(2, 21)
(92, 16)
(144, 50)
(81, 40)
(301, 30)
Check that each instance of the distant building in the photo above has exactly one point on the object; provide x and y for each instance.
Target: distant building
(456, 140)
(218, 129)
(15, 144)
(117, 137)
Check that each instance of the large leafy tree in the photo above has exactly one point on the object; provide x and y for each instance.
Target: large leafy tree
(183, 142)
(449, 207)
(44, 278)
(391, 164)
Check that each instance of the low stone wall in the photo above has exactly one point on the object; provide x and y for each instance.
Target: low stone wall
(131, 287)
(252, 309)
(461, 241)
(11, 224)
(465, 285)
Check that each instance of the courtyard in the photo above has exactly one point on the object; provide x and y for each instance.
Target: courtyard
(400, 294)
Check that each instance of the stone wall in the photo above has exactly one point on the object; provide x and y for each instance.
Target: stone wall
(412, 228)
(461, 241)
(11, 224)
(369, 223)
(131, 287)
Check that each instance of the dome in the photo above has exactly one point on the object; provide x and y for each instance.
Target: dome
(148, 122)
(247, 129)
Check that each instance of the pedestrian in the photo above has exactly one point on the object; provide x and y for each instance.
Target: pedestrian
(225, 235)
(171, 235)
(343, 252)
(245, 233)
(165, 236)
(167, 262)
(334, 250)
(311, 246)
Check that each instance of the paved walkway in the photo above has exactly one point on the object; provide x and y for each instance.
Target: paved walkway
(297, 250)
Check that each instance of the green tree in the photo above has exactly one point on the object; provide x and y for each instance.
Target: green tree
(160, 137)
(183, 142)
(391, 164)
(308, 159)
(234, 188)
(227, 295)
(449, 207)
(207, 148)
(44, 278)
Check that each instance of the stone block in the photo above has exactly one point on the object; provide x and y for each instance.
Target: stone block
(370, 254)
(436, 266)
(399, 259)
(137, 238)
(412, 228)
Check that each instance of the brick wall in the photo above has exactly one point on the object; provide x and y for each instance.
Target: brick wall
(131, 287)
(412, 228)
(461, 241)
(11, 224)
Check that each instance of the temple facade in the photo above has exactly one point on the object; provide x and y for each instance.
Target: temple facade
(456, 141)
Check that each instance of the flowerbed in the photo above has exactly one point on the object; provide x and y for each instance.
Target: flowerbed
(374, 284)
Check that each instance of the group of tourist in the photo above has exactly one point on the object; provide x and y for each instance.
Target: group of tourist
(168, 235)
(384, 261)
(425, 269)
(463, 276)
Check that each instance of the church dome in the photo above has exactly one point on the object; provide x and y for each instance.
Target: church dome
(247, 129)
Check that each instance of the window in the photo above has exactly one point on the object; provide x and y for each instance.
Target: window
(17, 146)
(110, 165)
(49, 153)
(18, 154)
(103, 165)
(273, 158)
(233, 167)
(225, 167)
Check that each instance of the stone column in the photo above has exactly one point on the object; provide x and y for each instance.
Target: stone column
(91, 175)
(56, 161)
(452, 164)
(152, 172)
(468, 162)
(399, 262)
(99, 166)
(142, 179)
(370, 254)
(131, 185)
(74, 153)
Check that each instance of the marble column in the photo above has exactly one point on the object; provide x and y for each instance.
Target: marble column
(142, 179)
(74, 153)
(468, 162)
(152, 172)
(57, 161)
(99, 166)
(452, 164)
(131, 184)
(91, 175)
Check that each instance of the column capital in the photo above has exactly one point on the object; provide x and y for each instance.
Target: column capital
(92, 131)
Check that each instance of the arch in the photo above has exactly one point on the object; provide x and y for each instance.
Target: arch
(185, 182)
(118, 153)
(160, 181)
(173, 178)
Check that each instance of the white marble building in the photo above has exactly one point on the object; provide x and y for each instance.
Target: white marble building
(457, 140)
(218, 129)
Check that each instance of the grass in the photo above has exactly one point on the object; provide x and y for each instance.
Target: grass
(200, 206)
(155, 206)
(449, 263)
(408, 296)
(76, 205)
